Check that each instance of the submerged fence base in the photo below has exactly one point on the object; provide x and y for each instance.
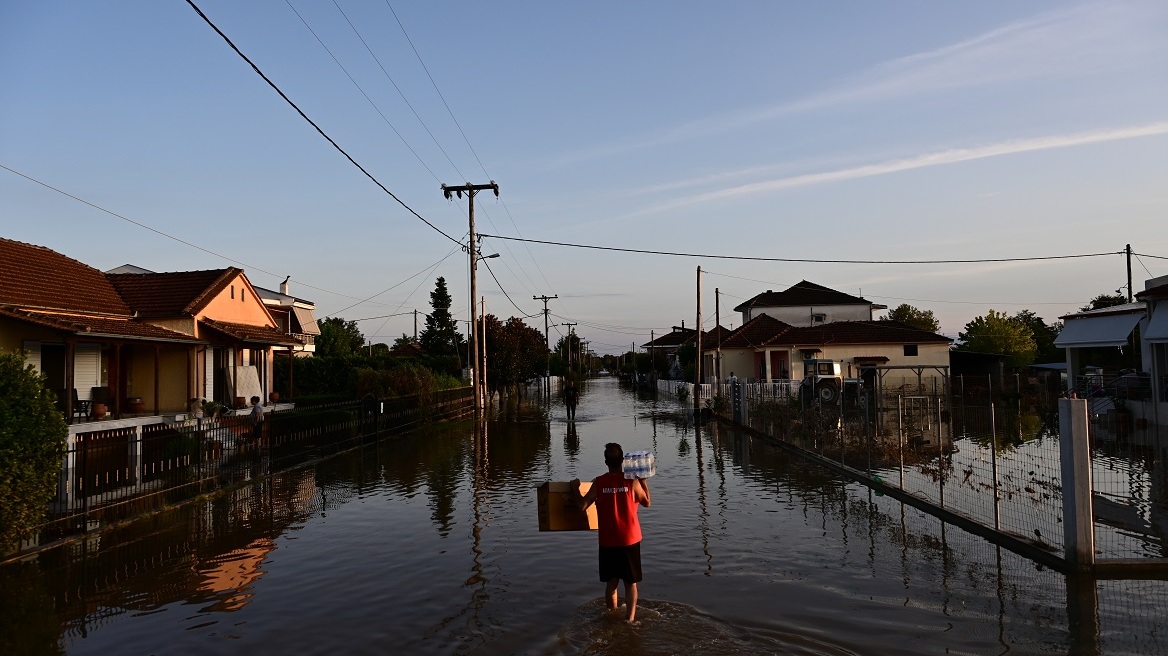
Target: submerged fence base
(1021, 481)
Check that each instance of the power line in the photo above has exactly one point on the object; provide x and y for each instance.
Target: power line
(314, 125)
(359, 88)
(179, 239)
(428, 268)
(798, 260)
(521, 311)
(894, 298)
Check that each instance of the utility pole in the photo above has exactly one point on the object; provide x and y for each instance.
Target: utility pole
(473, 251)
(1129, 285)
(416, 325)
(698, 337)
(571, 336)
(547, 377)
(483, 353)
(718, 328)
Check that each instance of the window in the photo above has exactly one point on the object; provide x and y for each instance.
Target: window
(233, 292)
(910, 350)
(818, 318)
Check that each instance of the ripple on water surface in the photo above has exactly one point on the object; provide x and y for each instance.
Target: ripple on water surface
(670, 628)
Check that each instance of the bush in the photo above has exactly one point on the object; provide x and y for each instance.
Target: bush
(32, 444)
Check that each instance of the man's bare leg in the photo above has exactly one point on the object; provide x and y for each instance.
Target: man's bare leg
(631, 600)
(610, 594)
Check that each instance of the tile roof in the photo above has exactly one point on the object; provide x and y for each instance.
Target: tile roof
(800, 294)
(675, 338)
(97, 326)
(175, 294)
(248, 333)
(36, 277)
(858, 332)
(756, 332)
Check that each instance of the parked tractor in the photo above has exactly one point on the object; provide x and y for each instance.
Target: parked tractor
(823, 381)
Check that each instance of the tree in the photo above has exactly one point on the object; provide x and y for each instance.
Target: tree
(404, 340)
(516, 352)
(919, 319)
(1104, 301)
(441, 336)
(32, 445)
(1044, 336)
(997, 333)
(569, 349)
(339, 338)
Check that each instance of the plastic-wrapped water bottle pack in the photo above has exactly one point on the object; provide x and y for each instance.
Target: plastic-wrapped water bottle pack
(639, 464)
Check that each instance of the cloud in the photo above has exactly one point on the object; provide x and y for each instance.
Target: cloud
(952, 156)
(1065, 43)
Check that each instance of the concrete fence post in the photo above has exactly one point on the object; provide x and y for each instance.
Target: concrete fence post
(1075, 459)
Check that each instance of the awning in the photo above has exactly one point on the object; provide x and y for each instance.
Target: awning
(870, 359)
(306, 320)
(1106, 330)
(1158, 327)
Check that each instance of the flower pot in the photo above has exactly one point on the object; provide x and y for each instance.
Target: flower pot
(274, 397)
(135, 405)
(98, 410)
(240, 402)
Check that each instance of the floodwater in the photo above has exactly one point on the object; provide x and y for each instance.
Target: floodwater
(428, 544)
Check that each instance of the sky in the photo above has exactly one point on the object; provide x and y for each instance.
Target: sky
(889, 133)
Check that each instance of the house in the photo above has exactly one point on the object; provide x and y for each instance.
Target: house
(92, 346)
(1154, 344)
(135, 342)
(294, 316)
(808, 304)
(767, 349)
(1099, 336)
(809, 321)
(221, 309)
(667, 346)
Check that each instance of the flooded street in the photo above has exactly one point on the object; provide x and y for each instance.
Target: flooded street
(428, 544)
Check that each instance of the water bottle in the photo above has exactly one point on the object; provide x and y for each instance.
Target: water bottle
(638, 464)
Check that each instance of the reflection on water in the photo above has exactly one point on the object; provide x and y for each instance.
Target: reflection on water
(429, 544)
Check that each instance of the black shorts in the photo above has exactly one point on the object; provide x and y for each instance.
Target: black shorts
(622, 563)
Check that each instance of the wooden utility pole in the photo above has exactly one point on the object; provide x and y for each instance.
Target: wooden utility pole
(718, 328)
(547, 377)
(483, 351)
(571, 335)
(473, 252)
(416, 325)
(698, 342)
(1129, 285)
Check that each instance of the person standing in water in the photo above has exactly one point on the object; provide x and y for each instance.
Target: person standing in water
(617, 499)
(571, 396)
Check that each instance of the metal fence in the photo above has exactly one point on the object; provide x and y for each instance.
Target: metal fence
(994, 468)
(117, 474)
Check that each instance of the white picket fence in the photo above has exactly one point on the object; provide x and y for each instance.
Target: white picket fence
(769, 391)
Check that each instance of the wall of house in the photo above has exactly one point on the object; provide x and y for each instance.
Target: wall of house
(14, 333)
(928, 355)
(802, 315)
(238, 303)
(173, 377)
(740, 361)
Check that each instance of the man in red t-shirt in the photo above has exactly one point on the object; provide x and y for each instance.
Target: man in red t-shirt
(616, 499)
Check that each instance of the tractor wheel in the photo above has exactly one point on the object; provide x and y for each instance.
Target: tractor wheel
(827, 392)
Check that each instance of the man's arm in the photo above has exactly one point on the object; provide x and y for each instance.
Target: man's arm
(584, 500)
(642, 492)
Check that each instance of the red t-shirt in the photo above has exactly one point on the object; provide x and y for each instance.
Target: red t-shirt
(616, 511)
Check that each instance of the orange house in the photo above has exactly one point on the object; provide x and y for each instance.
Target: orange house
(134, 344)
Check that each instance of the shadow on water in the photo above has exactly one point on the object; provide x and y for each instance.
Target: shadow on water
(664, 628)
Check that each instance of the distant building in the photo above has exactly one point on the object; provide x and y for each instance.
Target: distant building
(808, 304)
(294, 316)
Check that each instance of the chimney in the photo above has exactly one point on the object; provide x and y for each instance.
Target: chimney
(284, 286)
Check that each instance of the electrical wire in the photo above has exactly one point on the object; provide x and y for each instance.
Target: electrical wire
(799, 260)
(314, 125)
(428, 268)
(362, 90)
(525, 314)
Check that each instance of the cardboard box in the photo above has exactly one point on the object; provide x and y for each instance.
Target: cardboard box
(558, 510)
